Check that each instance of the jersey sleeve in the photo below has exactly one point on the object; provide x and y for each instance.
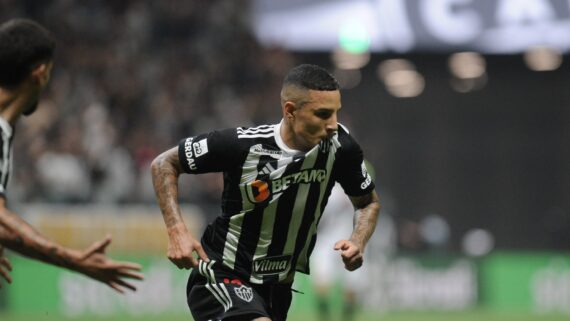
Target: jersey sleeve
(351, 169)
(210, 152)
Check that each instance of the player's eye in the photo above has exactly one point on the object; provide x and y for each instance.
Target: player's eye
(323, 114)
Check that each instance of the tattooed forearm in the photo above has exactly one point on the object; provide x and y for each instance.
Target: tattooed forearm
(21, 237)
(365, 217)
(165, 171)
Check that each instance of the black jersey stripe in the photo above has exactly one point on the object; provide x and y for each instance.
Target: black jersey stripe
(299, 207)
(283, 214)
(251, 224)
(312, 212)
(249, 172)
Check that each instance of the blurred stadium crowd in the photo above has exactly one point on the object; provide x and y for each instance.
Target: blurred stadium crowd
(131, 79)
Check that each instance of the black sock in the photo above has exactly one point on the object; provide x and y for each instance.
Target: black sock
(348, 311)
(324, 311)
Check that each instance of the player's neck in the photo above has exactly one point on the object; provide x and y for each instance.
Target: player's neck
(290, 139)
(12, 102)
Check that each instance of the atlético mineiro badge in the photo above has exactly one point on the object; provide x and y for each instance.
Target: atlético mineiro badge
(245, 293)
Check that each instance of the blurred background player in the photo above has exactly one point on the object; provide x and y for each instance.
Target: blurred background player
(26, 61)
(329, 273)
(326, 268)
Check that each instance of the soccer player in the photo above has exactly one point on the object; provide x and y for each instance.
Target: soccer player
(26, 60)
(277, 179)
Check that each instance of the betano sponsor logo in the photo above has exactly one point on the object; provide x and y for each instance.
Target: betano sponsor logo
(303, 177)
(259, 191)
(271, 265)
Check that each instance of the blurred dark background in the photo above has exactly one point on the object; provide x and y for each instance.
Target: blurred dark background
(134, 77)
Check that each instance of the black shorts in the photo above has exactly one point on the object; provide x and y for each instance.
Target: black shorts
(216, 294)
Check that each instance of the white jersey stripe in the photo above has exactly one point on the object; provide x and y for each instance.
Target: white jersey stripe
(303, 256)
(254, 130)
(265, 236)
(249, 173)
(217, 290)
(216, 295)
(256, 135)
(299, 207)
(224, 295)
(5, 165)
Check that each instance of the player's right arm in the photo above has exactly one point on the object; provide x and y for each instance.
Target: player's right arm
(21, 237)
(165, 169)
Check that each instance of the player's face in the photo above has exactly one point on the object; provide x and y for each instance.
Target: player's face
(317, 118)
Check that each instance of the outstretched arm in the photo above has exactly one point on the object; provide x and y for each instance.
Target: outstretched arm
(165, 170)
(365, 217)
(21, 237)
(5, 267)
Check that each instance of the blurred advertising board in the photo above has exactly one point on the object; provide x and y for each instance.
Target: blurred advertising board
(531, 282)
(536, 282)
(491, 26)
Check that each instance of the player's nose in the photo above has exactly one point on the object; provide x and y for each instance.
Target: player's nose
(331, 125)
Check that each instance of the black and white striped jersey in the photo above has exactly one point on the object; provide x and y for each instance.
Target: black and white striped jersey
(273, 196)
(5, 154)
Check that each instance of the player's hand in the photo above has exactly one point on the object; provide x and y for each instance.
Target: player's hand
(350, 253)
(181, 249)
(5, 267)
(94, 263)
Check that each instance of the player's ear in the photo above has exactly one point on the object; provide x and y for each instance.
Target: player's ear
(289, 108)
(42, 72)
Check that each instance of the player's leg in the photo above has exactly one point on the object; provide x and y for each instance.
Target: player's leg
(353, 284)
(324, 263)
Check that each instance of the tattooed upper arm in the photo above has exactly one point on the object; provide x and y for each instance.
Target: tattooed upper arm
(167, 159)
(364, 200)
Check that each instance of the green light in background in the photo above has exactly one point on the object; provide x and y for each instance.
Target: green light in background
(354, 38)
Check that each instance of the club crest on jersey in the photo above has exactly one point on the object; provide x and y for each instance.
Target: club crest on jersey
(271, 265)
(244, 292)
(258, 191)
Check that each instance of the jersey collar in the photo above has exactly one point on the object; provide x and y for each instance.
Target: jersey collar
(281, 144)
(5, 126)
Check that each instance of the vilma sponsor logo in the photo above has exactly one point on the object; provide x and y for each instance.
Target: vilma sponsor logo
(189, 153)
(271, 265)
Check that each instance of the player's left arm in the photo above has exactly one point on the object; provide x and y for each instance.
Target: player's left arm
(366, 212)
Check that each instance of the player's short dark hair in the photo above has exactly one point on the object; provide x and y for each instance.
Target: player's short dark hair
(311, 77)
(23, 45)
